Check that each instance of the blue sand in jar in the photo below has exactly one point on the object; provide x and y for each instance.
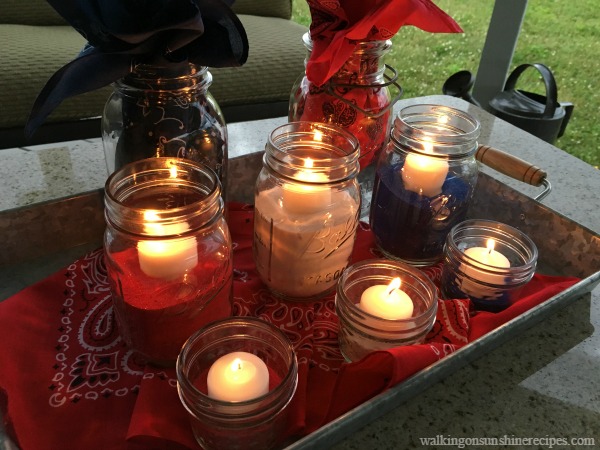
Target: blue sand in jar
(412, 227)
(450, 287)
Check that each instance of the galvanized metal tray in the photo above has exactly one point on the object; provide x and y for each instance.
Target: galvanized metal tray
(565, 248)
(44, 237)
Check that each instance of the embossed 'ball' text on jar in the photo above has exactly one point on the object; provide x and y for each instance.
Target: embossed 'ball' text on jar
(424, 182)
(307, 204)
(168, 254)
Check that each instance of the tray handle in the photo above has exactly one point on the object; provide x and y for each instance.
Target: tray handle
(514, 167)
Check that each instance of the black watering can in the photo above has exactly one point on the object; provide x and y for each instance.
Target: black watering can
(540, 115)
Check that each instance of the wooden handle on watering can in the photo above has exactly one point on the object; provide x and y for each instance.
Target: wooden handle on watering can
(510, 165)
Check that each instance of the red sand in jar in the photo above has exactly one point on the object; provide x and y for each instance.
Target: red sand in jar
(157, 316)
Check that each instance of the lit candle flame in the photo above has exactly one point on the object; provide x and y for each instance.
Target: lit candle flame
(394, 284)
(443, 119)
(318, 135)
(151, 216)
(236, 365)
(173, 172)
(490, 245)
(308, 163)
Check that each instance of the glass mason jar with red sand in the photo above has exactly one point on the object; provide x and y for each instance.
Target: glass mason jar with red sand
(168, 253)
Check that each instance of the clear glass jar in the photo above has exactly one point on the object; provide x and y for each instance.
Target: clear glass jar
(363, 327)
(307, 203)
(424, 182)
(357, 98)
(488, 262)
(168, 253)
(165, 112)
(255, 423)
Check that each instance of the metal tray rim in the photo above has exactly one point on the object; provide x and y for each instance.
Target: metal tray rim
(384, 402)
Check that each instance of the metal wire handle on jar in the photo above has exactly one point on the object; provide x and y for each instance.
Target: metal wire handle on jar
(391, 81)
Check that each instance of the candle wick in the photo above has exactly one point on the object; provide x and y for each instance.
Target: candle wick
(390, 290)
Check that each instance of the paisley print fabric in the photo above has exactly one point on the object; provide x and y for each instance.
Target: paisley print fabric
(67, 380)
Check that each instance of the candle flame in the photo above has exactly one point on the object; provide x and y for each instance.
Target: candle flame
(318, 135)
(173, 172)
(443, 119)
(490, 245)
(428, 147)
(151, 216)
(394, 284)
(308, 163)
(236, 365)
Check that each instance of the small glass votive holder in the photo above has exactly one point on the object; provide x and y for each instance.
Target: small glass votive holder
(488, 262)
(362, 332)
(253, 423)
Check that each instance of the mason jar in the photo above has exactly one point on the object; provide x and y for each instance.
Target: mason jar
(383, 304)
(165, 112)
(488, 262)
(357, 98)
(168, 253)
(307, 204)
(424, 182)
(243, 403)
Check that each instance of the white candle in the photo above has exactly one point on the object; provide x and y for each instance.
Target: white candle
(484, 258)
(238, 377)
(299, 198)
(424, 174)
(166, 258)
(387, 301)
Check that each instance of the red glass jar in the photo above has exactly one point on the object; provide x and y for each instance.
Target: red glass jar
(168, 253)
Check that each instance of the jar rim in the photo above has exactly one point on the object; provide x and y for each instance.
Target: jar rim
(496, 228)
(188, 354)
(436, 130)
(401, 268)
(364, 46)
(149, 77)
(333, 150)
(143, 175)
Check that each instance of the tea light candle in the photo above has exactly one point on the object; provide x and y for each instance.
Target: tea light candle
(484, 258)
(306, 198)
(424, 174)
(488, 256)
(166, 258)
(387, 301)
(238, 377)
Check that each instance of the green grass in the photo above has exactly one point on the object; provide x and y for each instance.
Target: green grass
(554, 32)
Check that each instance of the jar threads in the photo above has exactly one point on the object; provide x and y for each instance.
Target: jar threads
(165, 111)
(168, 253)
(252, 424)
(361, 332)
(491, 286)
(424, 182)
(307, 204)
